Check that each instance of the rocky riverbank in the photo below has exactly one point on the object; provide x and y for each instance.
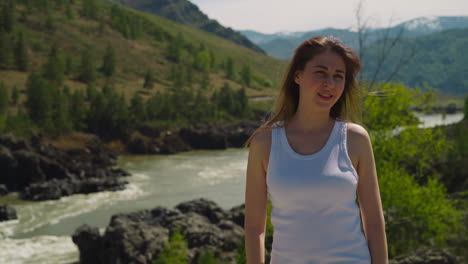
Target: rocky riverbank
(139, 237)
(160, 140)
(40, 171)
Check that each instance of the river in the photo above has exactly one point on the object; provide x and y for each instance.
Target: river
(42, 233)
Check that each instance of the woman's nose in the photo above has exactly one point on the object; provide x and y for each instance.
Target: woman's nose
(329, 80)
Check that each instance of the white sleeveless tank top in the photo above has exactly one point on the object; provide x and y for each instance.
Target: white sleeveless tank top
(315, 216)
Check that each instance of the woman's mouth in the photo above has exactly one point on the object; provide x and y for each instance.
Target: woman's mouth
(325, 97)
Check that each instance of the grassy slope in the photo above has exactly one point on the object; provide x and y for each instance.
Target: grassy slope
(134, 57)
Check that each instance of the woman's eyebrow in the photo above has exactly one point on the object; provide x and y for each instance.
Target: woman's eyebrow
(326, 68)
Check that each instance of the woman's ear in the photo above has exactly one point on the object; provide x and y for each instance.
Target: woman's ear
(297, 77)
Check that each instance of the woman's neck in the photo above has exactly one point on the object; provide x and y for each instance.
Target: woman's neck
(310, 122)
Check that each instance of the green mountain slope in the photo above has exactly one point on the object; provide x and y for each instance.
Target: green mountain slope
(124, 66)
(440, 61)
(187, 13)
(134, 55)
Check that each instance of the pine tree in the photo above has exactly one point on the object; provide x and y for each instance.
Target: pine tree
(148, 80)
(137, 108)
(54, 68)
(212, 60)
(246, 75)
(175, 46)
(39, 100)
(7, 18)
(90, 92)
(3, 99)
(229, 68)
(43, 5)
(189, 76)
(77, 110)
(68, 11)
(21, 54)
(89, 9)
(135, 28)
(226, 99)
(5, 49)
(242, 101)
(108, 65)
(15, 95)
(205, 81)
(49, 24)
(68, 64)
(61, 117)
(153, 106)
(87, 72)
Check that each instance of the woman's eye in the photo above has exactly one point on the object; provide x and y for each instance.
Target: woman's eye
(339, 77)
(321, 73)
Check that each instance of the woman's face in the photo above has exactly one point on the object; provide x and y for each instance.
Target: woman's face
(322, 81)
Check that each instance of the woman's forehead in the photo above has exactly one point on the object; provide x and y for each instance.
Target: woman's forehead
(327, 60)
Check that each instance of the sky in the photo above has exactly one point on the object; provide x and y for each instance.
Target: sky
(271, 16)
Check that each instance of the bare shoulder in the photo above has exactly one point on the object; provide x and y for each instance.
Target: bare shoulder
(357, 134)
(260, 146)
(359, 144)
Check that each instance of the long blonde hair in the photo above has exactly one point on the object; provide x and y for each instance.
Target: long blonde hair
(348, 105)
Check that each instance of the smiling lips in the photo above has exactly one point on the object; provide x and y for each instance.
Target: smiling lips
(325, 96)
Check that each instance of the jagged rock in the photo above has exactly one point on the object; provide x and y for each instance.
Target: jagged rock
(236, 214)
(7, 213)
(149, 131)
(426, 256)
(172, 144)
(237, 135)
(54, 189)
(203, 207)
(88, 240)
(139, 144)
(139, 237)
(11, 142)
(8, 164)
(3, 190)
(204, 137)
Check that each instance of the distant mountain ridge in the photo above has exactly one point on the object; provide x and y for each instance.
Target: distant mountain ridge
(187, 13)
(440, 44)
(282, 45)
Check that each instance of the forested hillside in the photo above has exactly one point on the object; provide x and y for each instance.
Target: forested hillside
(437, 60)
(83, 65)
(187, 13)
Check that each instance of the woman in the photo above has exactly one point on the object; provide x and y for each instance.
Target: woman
(311, 161)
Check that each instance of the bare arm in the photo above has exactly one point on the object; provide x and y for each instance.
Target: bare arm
(256, 201)
(369, 198)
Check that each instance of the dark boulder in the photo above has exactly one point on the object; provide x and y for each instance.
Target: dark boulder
(7, 213)
(139, 144)
(204, 137)
(8, 165)
(3, 190)
(426, 256)
(172, 143)
(203, 207)
(238, 134)
(88, 240)
(11, 142)
(55, 188)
